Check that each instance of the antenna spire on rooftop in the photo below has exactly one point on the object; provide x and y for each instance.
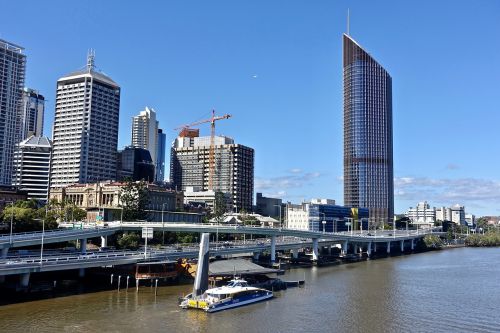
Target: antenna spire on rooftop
(348, 23)
(90, 60)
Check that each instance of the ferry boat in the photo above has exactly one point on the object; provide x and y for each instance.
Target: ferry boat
(235, 294)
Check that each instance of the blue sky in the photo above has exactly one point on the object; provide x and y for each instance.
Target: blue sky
(276, 67)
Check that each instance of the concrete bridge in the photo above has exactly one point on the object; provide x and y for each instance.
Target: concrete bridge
(280, 239)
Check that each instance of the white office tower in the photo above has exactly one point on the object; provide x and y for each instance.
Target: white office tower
(12, 71)
(145, 132)
(85, 133)
(32, 109)
(31, 164)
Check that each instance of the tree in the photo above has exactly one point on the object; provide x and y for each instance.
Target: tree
(134, 199)
(220, 205)
(128, 240)
(432, 242)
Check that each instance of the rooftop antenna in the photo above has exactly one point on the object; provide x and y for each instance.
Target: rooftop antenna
(90, 60)
(348, 23)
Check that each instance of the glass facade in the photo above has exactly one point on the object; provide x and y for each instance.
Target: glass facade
(368, 154)
(336, 218)
(160, 155)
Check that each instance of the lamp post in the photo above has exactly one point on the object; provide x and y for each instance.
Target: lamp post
(323, 221)
(43, 234)
(11, 220)
(279, 206)
(163, 224)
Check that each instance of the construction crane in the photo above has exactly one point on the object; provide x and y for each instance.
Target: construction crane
(211, 158)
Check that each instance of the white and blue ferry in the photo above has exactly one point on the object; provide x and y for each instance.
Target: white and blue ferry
(236, 293)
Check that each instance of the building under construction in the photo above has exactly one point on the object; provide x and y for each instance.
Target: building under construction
(232, 166)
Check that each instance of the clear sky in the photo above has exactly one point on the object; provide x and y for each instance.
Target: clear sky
(276, 66)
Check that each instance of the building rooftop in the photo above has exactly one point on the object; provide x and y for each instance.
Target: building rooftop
(89, 73)
(11, 46)
(39, 141)
(237, 267)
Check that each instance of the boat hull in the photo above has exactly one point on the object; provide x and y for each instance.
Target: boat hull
(237, 303)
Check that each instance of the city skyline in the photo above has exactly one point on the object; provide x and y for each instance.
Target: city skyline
(285, 77)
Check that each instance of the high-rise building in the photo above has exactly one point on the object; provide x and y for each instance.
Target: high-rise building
(31, 166)
(234, 165)
(145, 131)
(85, 132)
(422, 214)
(324, 215)
(136, 164)
(12, 71)
(272, 207)
(368, 156)
(160, 155)
(32, 110)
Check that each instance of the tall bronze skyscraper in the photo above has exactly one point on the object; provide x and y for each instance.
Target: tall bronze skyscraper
(368, 162)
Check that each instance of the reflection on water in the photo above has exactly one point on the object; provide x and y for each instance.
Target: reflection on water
(448, 291)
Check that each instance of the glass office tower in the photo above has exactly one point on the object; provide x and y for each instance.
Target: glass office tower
(368, 161)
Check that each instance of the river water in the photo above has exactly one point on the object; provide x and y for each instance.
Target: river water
(456, 290)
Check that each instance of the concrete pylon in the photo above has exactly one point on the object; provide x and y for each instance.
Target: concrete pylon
(273, 249)
(104, 241)
(375, 247)
(83, 245)
(315, 249)
(295, 253)
(412, 244)
(5, 250)
(256, 255)
(388, 247)
(81, 272)
(201, 279)
(25, 280)
(369, 249)
(402, 245)
(344, 247)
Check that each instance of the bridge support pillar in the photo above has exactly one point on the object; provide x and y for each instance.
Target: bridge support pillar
(356, 248)
(315, 249)
(375, 247)
(344, 247)
(295, 253)
(256, 255)
(81, 272)
(104, 241)
(369, 249)
(388, 247)
(25, 280)
(329, 249)
(83, 245)
(4, 252)
(402, 245)
(273, 249)
(412, 244)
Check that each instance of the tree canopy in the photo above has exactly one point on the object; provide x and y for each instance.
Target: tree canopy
(134, 199)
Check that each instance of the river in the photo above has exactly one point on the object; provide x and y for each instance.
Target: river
(456, 290)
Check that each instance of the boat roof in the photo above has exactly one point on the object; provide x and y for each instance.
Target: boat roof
(229, 290)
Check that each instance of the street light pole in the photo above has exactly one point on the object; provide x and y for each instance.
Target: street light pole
(43, 234)
(11, 220)
(163, 223)
(324, 221)
(279, 206)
